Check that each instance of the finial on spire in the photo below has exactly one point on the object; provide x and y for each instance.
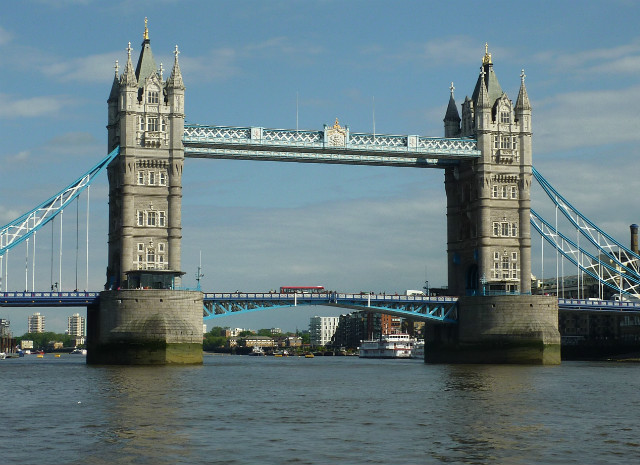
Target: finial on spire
(129, 49)
(522, 76)
(176, 52)
(336, 125)
(160, 71)
(486, 60)
(146, 30)
(116, 67)
(451, 88)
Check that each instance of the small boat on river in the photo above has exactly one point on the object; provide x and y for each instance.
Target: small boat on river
(388, 346)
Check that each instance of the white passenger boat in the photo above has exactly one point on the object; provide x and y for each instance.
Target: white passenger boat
(418, 350)
(388, 346)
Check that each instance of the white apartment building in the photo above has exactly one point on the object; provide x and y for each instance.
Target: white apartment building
(76, 325)
(322, 329)
(36, 323)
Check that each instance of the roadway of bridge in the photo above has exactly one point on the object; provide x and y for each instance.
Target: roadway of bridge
(441, 308)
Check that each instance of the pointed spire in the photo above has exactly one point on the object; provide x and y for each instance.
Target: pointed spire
(146, 64)
(483, 95)
(175, 79)
(522, 103)
(115, 87)
(494, 91)
(128, 78)
(452, 111)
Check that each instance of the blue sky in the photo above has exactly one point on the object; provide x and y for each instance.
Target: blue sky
(260, 225)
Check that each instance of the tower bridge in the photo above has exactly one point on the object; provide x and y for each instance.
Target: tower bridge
(145, 316)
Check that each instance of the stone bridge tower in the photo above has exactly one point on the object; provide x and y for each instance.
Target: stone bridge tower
(146, 119)
(489, 242)
(142, 316)
(488, 236)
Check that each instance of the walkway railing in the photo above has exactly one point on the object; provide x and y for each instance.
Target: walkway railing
(331, 145)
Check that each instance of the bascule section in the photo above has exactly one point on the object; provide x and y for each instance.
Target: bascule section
(488, 234)
(142, 316)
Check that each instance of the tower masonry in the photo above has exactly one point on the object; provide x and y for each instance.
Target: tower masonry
(142, 317)
(488, 235)
(488, 200)
(146, 120)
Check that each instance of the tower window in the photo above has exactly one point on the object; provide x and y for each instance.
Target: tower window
(151, 218)
(514, 192)
(140, 178)
(161, 219)
(152, 96)
(163, 178)
(152, 124)
(152, 178)
(494, 191)
(505, 117)
(140, 218)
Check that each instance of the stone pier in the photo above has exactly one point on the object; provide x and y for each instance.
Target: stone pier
(145, 327)
(518, 329)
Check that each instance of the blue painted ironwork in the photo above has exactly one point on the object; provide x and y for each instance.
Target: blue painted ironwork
(598, 305)
(48, 299)
(615, 251)
(434, 309)
(20, 229)
(256, 143)
(615, 277)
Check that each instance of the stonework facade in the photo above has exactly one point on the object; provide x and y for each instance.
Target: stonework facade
(488, 199)
(146, 120)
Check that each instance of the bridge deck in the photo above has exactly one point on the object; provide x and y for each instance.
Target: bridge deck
(339, 146)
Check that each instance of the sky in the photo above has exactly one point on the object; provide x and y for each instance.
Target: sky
(275, 64)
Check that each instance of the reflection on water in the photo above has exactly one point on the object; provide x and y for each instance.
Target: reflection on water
(143, 422)
(338, 410)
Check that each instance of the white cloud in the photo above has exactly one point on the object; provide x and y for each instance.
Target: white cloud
(7, 215)
(5, 36)
(623, 58)
(30, 107)
(92, 68)
(586, 119)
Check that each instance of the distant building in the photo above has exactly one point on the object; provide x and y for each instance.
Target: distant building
(36, 323)
(76, 325)
(257, 341)
(4, 327)
(322, 329)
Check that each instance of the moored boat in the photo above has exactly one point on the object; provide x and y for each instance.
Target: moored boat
(388, 346)
(418, 350)
(257, 351)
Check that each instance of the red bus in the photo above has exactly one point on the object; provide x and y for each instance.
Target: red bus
(301, 289)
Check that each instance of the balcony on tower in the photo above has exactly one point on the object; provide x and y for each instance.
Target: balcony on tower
(152, 279)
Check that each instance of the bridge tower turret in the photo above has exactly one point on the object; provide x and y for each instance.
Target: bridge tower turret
(488, 237)
(146, 119)
(142, 316)
(488, 199)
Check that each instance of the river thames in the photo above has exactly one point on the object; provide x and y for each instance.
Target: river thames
(338, 410)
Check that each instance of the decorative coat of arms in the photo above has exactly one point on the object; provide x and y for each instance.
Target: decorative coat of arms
(336, 135)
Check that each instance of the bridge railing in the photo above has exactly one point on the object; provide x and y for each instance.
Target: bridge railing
(289, 139)
(599, 303)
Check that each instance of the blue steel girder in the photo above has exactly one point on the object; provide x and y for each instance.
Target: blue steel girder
(23, 227)
(619, 278)
(256, 143)
(48, 299)
(615, 251)
(432, 309)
